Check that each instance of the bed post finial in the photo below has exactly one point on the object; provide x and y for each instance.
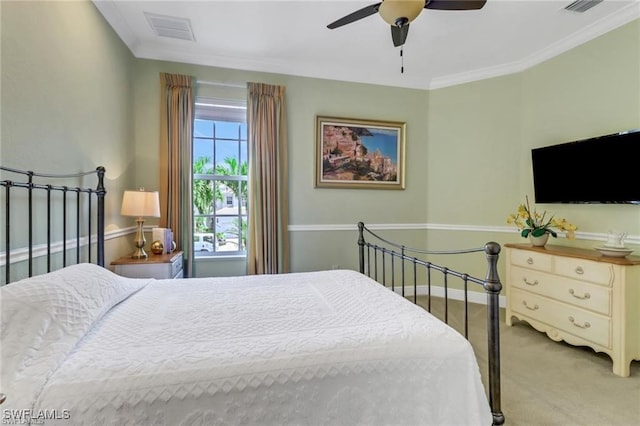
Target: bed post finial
(492, 287)
(101, 192)
(100, 170)
(361, 245)
(492, 280)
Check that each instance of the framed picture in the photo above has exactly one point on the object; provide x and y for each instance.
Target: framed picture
(354, 153)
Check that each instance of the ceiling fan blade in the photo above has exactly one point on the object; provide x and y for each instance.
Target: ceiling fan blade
(454, 4)
(399, 34)
(355, 16)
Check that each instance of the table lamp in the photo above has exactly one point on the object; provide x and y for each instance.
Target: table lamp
(140, 204)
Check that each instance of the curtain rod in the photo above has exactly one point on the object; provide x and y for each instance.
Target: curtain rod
(215, 83)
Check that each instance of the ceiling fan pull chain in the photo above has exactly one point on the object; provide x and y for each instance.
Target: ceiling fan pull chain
(401, 60)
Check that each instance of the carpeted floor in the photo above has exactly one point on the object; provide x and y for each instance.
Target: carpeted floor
(551, 383)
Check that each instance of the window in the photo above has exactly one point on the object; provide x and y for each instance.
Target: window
(219, 178)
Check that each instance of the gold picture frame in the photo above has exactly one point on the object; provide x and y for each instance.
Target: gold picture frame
(359, 153)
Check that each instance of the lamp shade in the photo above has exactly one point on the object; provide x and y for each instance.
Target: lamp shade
(140, 204)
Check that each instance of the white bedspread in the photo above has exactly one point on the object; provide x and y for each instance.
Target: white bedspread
(331, 348)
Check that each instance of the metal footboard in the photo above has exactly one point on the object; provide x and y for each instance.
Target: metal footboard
(398, 266)
(73, 211)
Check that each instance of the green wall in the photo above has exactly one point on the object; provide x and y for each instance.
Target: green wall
(306, 98)
(467, 149)
(66, 105)
(591, 90)
(474, 134)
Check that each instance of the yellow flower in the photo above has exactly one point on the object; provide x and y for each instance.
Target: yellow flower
(531, 222)
(522, 211)
(558, 223)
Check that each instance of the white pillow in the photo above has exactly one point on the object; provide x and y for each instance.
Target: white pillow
(45, 316)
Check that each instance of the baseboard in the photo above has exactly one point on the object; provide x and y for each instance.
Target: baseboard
(455, 294)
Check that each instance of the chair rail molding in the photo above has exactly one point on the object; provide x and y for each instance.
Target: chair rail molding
(597, 236)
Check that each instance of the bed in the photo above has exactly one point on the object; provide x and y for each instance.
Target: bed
(82, 345)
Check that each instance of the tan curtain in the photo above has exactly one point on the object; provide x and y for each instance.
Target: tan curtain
(268, 237)
(176, 129)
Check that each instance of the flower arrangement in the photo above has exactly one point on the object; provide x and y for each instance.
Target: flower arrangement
(536, 224)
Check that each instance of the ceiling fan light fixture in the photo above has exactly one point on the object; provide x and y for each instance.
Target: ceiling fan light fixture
(392, 10)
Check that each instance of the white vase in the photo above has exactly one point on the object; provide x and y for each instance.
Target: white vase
(539, 241)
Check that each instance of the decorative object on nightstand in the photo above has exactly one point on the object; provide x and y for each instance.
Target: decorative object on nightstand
(165, 237)
(157, 247)
(140, 204)
(537, 227)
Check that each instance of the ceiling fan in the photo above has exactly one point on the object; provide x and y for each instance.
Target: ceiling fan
(399, 13)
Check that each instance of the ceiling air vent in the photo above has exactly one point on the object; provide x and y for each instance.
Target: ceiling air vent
(170, 26)
(582, 5)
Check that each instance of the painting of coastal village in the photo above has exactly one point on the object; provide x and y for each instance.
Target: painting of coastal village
(359, 153)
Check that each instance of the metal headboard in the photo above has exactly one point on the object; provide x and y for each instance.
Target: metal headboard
(25, 182)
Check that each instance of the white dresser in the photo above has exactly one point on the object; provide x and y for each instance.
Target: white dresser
(579, 296)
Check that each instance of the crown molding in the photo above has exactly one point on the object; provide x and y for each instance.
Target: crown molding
(595, 30)
(598, 28)
(148, 51)
(110, 12)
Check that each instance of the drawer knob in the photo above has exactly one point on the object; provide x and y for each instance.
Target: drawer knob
(579, 270)
(585, 296)
(531, 308)
(573, 321)
(530, 260)
(531, 283)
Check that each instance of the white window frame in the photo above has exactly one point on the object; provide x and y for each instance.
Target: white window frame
(229, 111)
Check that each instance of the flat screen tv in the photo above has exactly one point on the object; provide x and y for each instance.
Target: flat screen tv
(604, 169)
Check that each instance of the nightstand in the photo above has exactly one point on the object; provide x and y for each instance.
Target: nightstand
(159, 266)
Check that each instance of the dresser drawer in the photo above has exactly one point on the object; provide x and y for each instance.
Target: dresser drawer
(578, 293)
(586, 325)
(585, 270)
(176, 268)
(532, 260)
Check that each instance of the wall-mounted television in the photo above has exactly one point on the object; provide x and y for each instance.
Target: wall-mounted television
(603, 169)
